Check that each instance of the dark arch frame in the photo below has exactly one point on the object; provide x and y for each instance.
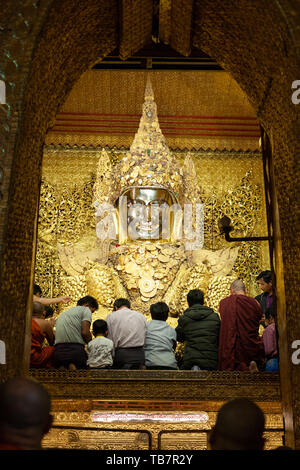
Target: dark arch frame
(72, 38)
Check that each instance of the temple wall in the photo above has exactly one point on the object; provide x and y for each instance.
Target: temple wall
(196, 109)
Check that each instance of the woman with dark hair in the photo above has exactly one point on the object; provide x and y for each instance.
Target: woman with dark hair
(160, 342)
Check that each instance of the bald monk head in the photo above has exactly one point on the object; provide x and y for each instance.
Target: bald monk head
(24, 413)
(237, 287)
(240, 425)
(38, 310)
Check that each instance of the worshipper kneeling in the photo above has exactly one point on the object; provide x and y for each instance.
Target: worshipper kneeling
(41, 329)
(240, 425)
(127, 330)
(72, 333)
(199, 327)
(270, 340)
(240, 346)
(160, 342)
(101, 349)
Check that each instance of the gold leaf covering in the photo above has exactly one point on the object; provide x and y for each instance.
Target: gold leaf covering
(72, 261)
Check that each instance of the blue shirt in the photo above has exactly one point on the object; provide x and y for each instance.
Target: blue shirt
(159, 344)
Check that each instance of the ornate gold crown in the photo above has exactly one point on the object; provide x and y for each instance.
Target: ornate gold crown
(149, 162)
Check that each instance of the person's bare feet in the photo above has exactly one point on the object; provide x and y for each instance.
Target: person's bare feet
(253, 367)
(72, 366)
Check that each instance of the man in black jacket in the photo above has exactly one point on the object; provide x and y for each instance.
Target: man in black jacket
(199, 328)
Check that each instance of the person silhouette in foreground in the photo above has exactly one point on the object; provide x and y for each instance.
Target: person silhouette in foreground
(24, 414)
(240, 426)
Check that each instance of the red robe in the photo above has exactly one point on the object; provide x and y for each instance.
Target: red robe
(239, 341)
(39, 356)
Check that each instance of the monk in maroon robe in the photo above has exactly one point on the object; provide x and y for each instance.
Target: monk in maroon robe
(239, 341)
(40, 356)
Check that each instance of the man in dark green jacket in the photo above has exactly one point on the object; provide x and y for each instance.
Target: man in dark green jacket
(199, 328)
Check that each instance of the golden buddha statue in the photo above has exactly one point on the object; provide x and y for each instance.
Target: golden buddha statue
(149, 230)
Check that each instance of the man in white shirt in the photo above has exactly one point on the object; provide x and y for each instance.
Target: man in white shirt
(127, 330)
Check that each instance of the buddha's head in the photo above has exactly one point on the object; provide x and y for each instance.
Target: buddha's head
(148, 187)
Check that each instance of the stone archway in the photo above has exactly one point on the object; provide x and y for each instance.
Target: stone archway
(72, 37)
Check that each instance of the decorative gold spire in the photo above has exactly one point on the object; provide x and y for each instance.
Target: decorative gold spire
(149, 90)
(149, 138)
(150, 162)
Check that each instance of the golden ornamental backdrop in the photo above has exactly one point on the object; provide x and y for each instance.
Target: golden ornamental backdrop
(98, 235)
(231, 183)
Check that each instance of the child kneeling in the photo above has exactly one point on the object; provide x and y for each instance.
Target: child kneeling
(101, 349)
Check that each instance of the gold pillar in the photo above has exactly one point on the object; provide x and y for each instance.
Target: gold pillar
(288, 371)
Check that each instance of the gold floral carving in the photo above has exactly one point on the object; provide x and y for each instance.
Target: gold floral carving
(160, 385)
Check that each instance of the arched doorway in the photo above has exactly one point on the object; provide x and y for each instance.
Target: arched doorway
(71, 39)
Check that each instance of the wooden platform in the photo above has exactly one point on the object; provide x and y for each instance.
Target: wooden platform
(168, 410)
(159, 385)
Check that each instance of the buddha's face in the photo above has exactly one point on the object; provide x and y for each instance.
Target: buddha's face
(146, 210)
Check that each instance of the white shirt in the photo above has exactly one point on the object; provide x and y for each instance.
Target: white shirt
(126, 328)
(100, 352)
